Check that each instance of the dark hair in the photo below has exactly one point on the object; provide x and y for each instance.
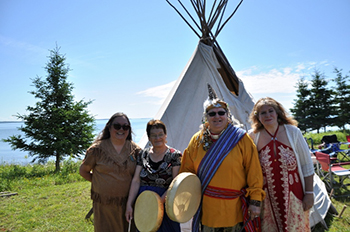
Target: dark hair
(105, 134)
(282, 115)
(155, 123)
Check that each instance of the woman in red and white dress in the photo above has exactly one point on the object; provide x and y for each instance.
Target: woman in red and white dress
(287, 168)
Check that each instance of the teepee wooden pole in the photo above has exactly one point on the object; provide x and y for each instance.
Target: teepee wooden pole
(229, 18)
(185, 19)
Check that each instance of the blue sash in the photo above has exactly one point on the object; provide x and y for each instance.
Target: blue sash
(213, 159)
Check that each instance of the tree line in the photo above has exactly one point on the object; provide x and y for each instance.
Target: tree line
(322, 103)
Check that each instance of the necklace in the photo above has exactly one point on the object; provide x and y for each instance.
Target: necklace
(208, 138)
(215, 137)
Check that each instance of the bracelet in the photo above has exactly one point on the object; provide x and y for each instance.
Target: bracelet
(309, 192)
(255, 203)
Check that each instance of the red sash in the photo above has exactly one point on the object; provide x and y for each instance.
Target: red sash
(229, 194)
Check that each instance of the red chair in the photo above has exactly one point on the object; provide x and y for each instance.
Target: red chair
(330, 170)
(348, 138)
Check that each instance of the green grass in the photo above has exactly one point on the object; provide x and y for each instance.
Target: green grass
(45, 201)
(49, 201)
(334, 222)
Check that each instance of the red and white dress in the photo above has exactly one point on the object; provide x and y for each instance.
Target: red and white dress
(282, 209)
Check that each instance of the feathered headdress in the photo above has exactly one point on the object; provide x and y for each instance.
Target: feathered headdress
(213, 101)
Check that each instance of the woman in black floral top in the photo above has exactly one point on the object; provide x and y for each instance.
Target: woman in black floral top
(156, 167)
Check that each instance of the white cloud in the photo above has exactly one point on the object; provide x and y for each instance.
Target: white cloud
(272, 81)
(160, 91)
(21, 45)
(276, 80)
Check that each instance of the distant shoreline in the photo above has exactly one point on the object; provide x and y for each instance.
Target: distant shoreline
(95, 120)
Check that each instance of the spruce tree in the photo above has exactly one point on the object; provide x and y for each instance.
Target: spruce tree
(321, 103)
(301, 106)
(342, 99)
(56, 126)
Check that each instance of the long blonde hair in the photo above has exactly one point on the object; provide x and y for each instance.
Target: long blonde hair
(282, 116)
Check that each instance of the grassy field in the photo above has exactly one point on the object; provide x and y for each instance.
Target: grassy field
(48, 201)
(45, 201)
(334, 222)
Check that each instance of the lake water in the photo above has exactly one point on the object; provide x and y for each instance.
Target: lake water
(7, 129)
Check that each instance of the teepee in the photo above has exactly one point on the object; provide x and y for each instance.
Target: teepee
(182, 110)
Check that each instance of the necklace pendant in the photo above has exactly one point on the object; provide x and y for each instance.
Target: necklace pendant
(214, 137)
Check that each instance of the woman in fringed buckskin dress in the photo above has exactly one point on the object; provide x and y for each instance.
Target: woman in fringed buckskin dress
(109, 165)
(287, 168)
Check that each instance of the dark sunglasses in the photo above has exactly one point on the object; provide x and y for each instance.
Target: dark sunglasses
(118, 127)
(220, 113)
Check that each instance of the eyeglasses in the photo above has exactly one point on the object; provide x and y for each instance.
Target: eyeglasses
(118, 127)
(220, 113)
(153, 136)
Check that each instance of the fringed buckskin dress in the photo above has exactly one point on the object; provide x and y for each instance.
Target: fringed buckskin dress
(111, 179)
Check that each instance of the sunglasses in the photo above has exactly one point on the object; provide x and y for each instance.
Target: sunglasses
(118, 127)
(220, 113)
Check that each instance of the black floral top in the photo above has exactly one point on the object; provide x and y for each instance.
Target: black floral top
(158, 173)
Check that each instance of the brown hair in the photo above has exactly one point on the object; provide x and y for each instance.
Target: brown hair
(155, 123)
(105, 134)
(282, 116)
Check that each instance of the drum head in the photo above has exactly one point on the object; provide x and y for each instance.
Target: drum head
(183, 197)
(148, 211)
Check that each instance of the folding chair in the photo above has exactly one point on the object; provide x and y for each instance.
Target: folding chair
(348, 139)
(330, 170)
(331, 141)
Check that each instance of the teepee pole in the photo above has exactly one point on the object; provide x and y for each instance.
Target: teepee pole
(218, 31)
(216, 14)
(185, 19)
(222, 16)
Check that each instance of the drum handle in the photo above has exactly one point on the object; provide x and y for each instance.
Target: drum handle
(129, 225)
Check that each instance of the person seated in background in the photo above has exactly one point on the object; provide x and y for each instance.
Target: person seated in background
(156, 167)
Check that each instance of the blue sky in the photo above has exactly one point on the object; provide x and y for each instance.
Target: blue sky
(125, 55)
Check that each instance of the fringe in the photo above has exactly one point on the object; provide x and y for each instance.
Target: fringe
(106, 200)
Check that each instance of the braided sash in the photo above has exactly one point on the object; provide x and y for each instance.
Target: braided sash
(233, 194)
(212, 160)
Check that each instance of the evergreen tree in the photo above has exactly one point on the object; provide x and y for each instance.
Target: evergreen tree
(321, 103)
(56, 126)
(301, 106)
(342, 99)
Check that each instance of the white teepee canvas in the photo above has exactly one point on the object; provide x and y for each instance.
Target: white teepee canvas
(182, 110)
